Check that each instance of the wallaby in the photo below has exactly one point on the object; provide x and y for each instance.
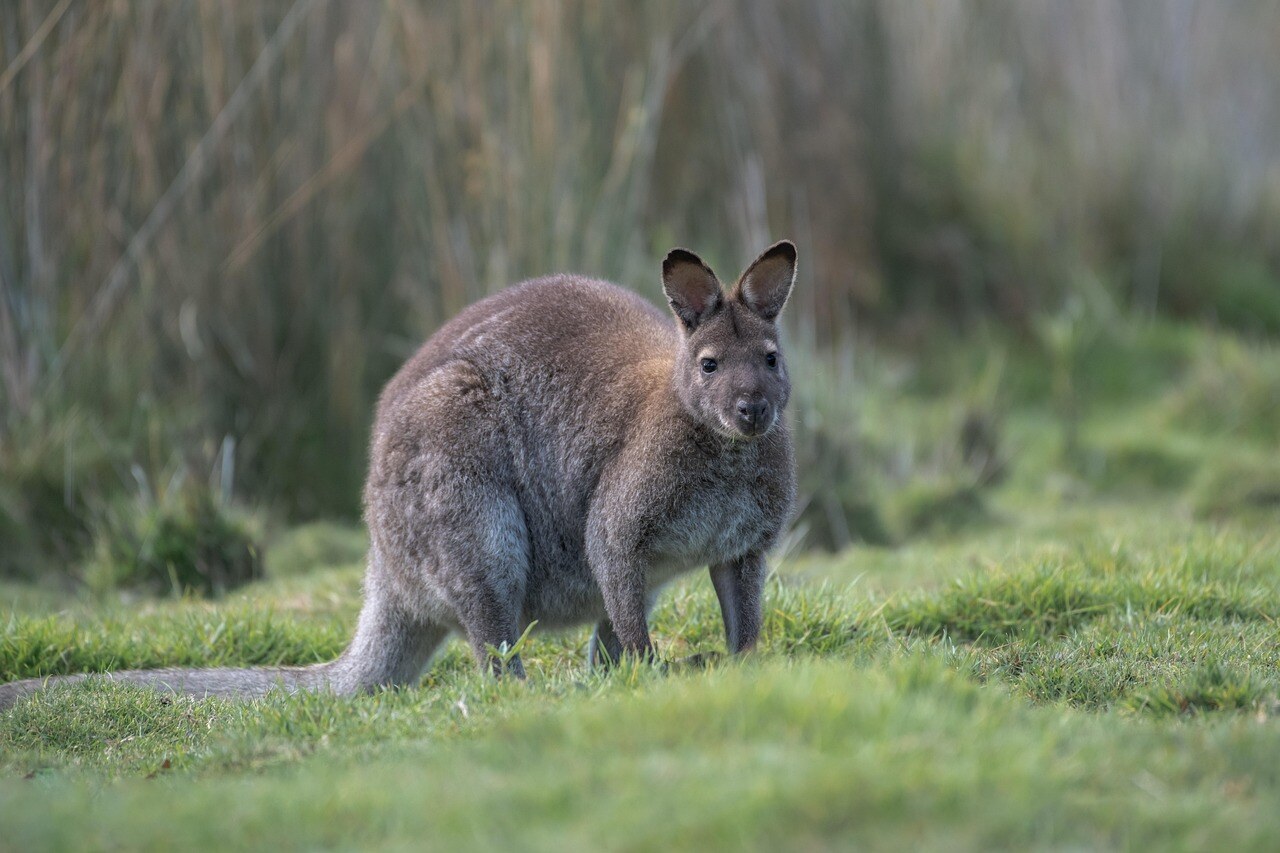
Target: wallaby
(557, 452)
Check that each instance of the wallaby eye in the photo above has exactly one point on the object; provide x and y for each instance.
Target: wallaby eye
(771, 359)
(709, 365)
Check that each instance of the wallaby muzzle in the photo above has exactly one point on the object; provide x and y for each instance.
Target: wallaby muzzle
(754, 416)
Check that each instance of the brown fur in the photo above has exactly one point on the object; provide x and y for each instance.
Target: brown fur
(556, 453)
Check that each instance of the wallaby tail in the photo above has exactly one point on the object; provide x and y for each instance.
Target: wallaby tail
(242, 683)
(391, 646)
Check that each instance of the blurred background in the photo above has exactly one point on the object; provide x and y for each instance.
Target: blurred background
(1040, 244)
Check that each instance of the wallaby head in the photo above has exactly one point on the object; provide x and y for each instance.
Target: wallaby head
(729, 372)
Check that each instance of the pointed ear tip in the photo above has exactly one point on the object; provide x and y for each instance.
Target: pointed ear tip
(785, 247)
(675, 257)
(678, 256)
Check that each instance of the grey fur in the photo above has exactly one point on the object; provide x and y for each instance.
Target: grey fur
(558, 452)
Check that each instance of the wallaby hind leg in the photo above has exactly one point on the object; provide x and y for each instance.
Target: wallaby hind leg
(483, 567)
(439, 492)
(605, 647)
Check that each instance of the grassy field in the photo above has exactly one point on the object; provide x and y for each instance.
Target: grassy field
(1093, 660)
(1030, 598)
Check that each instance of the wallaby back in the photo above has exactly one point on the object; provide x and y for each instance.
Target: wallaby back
(556, 453)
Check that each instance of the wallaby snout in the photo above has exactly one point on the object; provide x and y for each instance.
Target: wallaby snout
(755, 415)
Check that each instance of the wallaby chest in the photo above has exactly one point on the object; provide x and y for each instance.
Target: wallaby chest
(712, 508)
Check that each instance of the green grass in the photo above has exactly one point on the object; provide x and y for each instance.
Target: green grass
(1085, 655)
(895, 752)
(1104, 676)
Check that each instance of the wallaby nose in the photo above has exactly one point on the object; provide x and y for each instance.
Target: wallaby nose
(752, 414)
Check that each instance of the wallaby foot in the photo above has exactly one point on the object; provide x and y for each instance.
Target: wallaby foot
(492, 644)
(605, 649)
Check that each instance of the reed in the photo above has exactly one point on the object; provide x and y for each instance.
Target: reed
(234, 220)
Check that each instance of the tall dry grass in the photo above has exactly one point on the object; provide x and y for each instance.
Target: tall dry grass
(222, 225)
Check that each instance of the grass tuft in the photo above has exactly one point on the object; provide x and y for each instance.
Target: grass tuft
(1213, 686)
(1238, 484)
(188, 544)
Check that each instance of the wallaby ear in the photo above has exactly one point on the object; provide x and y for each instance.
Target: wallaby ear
(766, 284)
(691, 287)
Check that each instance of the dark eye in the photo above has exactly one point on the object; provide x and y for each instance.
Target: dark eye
(709, 365)
(771, 359)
